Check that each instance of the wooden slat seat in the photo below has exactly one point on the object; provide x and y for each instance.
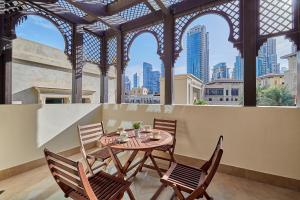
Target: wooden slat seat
(92, 133)
(73, 181)
(187, 177)
(183, 178)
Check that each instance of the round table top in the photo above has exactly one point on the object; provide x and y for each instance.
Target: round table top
(135, 143)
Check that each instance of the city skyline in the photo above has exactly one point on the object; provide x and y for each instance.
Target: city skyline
(41, 30)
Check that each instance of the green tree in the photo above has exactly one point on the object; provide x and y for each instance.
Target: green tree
(274, 96)
(200, 102)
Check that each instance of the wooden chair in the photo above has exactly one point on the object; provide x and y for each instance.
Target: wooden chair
(194, 181)
(91, 134)
(169, 126)
(73, 181)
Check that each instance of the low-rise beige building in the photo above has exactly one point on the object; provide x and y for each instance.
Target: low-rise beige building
(42, 74)
(139, 91)
(224, 92)
(270, 80)
(290, 75)
(186, 88)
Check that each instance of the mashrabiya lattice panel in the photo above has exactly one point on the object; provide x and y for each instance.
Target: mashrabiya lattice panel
(135, 12)
(231, 10)
(157, 30)
(91, 48)
(64, 4)
(275, 16)
(112, 51)
(64, 27)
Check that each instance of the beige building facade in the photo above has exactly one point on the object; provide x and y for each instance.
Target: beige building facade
(224, 92)
(290, 76)
(42, 74)
(270, 80)
(187, 88)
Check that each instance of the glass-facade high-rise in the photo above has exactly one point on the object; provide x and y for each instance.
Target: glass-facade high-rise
(127, 85)
(147, 69)
(266, 61)
(238, 70)
(198, 52)
(136, 80)
(151, 79)
(155, 82)
(220, 71)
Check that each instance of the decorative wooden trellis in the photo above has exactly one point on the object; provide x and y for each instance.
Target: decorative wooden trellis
(91, 48)
(104, 20)
(63, 26)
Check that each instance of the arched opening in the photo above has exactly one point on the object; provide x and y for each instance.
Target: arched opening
(276, 73)
(41, 71)
(143, 73)
(209, 70)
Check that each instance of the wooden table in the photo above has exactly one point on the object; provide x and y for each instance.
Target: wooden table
(135, 144)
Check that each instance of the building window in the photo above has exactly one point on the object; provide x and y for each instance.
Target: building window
(55, 100)
(234, 92)
(227, 92)
(210, 99)
(214, 91)
(221, 99)
(227, 99)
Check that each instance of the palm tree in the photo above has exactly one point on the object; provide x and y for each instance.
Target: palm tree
(274, 96)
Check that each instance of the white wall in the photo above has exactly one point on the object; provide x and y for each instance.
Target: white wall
(27, 129)
(261, 139)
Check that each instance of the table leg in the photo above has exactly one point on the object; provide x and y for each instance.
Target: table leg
(146, 155)
(117, 163)
(155, 165)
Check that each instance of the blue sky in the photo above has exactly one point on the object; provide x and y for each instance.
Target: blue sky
(144, 48)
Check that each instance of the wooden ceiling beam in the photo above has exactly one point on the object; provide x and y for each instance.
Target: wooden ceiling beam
(162, 6)
(119, 6)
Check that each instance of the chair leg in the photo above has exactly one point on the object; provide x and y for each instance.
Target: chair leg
(130, 194)
(207, 196)
(157, 193)
(172, 157)
(178, 193)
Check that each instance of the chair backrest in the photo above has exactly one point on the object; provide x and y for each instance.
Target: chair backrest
(90, 133)
(214, 162)
(69, 175)
(165, 125)
(65, 172)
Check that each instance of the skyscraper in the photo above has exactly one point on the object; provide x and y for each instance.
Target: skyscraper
(151, 79)
(136, 80)
(266, 61)
(155, 82)
(198, 52)
(147, 69)
(238, 70)
(220, 71)
(127, 86)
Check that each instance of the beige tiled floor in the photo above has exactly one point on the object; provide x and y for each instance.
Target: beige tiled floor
(37, 184)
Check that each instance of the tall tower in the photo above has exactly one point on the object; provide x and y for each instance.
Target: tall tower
(266, 61)
(220, 71)
(198, 52)
(147, 72)
(238, 70)
(136, 80)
